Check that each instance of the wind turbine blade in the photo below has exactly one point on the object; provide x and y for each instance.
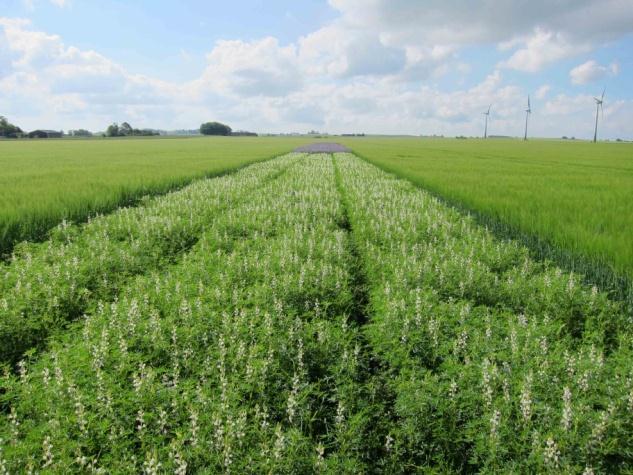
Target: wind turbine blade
(529, 102)
(603, 91)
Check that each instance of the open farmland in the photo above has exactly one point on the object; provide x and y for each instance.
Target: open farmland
(43, 182)
(569, 201)
(310, 313)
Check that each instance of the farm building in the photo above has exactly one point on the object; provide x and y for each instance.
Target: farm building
(45, 134)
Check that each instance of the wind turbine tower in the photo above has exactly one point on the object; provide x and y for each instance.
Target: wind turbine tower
(487, 113)
(528, 111)
(598, 108)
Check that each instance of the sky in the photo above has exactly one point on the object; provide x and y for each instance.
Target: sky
(338, 66)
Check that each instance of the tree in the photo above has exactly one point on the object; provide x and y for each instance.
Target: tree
(126, 129)
(215, 128)
(113, 130)
(9, 130)
(80, 133)
(144, 132)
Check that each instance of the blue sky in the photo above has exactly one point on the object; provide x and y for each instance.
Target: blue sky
(374, 66)
(170, 41)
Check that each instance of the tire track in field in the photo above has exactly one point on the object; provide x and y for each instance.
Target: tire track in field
(375, 398)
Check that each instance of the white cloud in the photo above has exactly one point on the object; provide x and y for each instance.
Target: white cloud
(257, 68)
(591, 71)
(371, 70)
(42, 78)
(339, 52)
(542, 91)
(536, 33)
(483, 21)
(541, 49)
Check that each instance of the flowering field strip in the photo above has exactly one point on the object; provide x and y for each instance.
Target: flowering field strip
(497, 363)
(240, 358)
(568, 201)
(45, 181)
(46, 285)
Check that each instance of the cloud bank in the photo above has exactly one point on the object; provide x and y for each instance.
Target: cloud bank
(378, 68)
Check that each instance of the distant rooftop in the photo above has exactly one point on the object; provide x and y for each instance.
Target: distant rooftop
(322, 147)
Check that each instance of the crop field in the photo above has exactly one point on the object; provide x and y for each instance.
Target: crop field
(306, 314)
(572, 201)
(43, 182)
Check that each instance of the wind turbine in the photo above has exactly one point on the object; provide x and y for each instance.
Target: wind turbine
(486, 127)
(528, 111)
(598, 108)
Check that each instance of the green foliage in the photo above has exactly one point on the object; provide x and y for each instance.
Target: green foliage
(308, 314)
(498, 364)
(9, 130)
(128, 242)
(43, 183)
(126, 130)
(80, 133)
(113, 130)
(568, 201)
(215, 128)
(238, 358)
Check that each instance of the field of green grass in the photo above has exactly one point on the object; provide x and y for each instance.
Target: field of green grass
(575, 198)
(45, 181)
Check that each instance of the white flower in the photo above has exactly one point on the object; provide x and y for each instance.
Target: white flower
(551, 453)
(567, 413)
(151, 466)
(526, 399)
(47, 447)
(495, 420)
(389, 443)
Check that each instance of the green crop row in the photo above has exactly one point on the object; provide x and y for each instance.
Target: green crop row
(46, 285)
(240, 359)
(499, 364)
(326, 317)
(44, 182)
(570, 202)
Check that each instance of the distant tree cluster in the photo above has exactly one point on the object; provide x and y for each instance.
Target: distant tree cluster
(9, 130)
(243, 133)
(80, 133)
(126, 130)
(215, 128)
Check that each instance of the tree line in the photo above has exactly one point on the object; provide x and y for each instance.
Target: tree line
(126, 130)
(9, 130)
